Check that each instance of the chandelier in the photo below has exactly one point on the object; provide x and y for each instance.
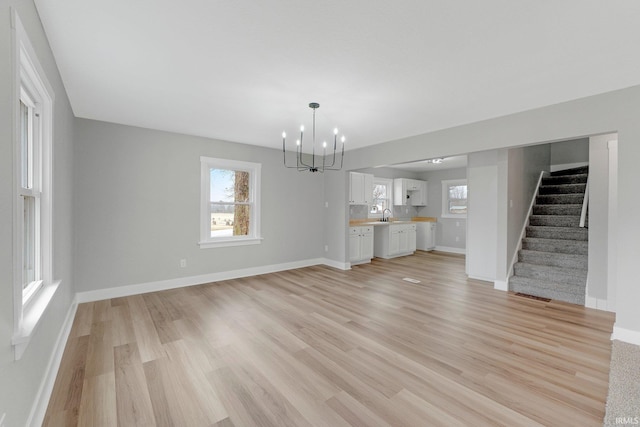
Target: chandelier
(311, 164)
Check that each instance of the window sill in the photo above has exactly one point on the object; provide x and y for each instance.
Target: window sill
(31, 316)
(230, 242)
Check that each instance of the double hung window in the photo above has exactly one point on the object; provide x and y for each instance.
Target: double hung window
(454, 198)
(230, 203)
(34, 286)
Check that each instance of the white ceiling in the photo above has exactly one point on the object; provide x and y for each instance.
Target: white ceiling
(245, 71)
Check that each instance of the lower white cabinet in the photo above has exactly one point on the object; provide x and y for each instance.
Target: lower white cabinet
(360, 244)
(395, 240)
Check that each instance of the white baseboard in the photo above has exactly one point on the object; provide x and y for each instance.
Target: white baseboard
(501, 285)
(484, 279)
(39, 409)
(597, 303)
(181, 282)
(626, 335)
(461, 251)
(336, 264)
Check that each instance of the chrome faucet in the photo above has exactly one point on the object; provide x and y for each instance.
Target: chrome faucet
(383, 212)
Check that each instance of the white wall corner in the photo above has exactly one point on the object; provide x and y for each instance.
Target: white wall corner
(39, 408)
(626, 335)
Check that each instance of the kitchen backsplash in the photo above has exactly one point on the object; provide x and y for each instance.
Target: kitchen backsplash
(400, 212)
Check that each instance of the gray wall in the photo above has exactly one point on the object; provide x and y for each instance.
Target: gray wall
(137, 205)
(20, 380)
(448, 228)
(570, 152)
(605, 113)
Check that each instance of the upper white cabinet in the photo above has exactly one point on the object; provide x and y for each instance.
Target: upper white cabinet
(360, 188)
(409, 192)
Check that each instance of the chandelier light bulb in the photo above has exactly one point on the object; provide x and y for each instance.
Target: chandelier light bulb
(301, 128)
(342, 139)
(324, 144)
(335, 131)
(284, 135)
(297, 142)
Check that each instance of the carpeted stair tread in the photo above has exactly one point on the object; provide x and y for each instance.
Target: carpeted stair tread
(565, 179)
(555, 220)
(570, 209)
(560, 199)
(563, 189)
(556, 245)
(550, 274)
(562, 233)
(553, 259)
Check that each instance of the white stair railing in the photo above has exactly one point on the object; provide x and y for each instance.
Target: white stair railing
(585, 204)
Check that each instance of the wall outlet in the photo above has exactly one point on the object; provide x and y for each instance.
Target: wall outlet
(457, 238)
(326, 204)
(183, 263)
(326, 248)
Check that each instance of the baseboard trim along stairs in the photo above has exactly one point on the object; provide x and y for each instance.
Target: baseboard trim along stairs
(553, 260)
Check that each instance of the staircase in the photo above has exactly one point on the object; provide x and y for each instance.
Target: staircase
(553, 260)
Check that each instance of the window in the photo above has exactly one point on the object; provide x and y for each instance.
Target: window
(230, 203)
(33, 229)
(454, 198)
(382, 197)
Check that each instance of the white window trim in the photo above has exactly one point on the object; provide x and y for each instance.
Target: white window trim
(445, 197)
(29, 307)
(254, 237)
(389, 183)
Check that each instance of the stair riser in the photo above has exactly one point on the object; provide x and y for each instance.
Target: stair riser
(574, 210)
(568, 179)
(573, 171)
(555, 220)
(554, 233)
(549, 276)
(563, 247)
(554, 259)
(563, 199)
(550, 293)
(563, 189)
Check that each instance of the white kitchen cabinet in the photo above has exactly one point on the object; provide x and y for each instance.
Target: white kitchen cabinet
(419, 197)
(360, 188)
(394, 240)
(360, 244)
(411, 192)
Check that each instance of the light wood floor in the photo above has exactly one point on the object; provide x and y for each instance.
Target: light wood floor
(319, 346)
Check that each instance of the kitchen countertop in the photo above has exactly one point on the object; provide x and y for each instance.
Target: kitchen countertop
(375, 222)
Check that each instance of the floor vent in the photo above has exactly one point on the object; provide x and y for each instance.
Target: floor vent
(409, 279)
(520, 294)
